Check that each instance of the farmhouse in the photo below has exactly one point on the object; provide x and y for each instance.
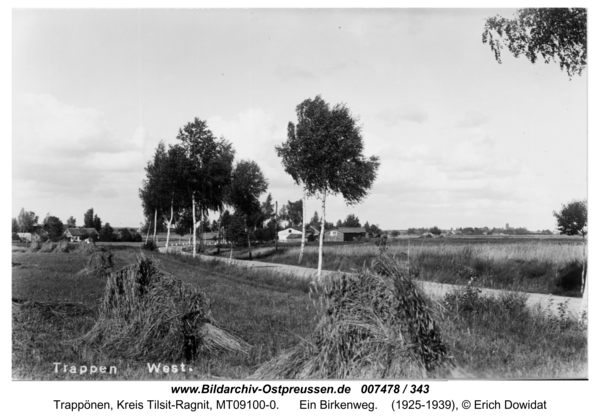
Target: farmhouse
(344, 234)
(283, 235)
(294, 234)
(38, 234)
(75, 234)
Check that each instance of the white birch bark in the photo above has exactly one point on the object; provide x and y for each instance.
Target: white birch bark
(303, 227)
(321, 238)
(169, 222)
(194, 227)
(584, 288)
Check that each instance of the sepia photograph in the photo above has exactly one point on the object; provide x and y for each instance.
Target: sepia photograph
(266, 194)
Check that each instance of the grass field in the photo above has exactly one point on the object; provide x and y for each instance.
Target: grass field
(488, 338)
(533, 265)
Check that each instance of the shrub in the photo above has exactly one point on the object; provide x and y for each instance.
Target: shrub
(150, 246)
(569, 278)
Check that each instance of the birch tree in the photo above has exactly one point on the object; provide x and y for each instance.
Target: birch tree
(151, 192)
(558, 34)
(292, 153)
(207, 171)
(325, 155)
(247, 185)
(172, 198)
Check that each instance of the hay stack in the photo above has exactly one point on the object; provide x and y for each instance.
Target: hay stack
(86, 248)
(373, 326)
(62, 247)
(34, 247)
(48, 246)
(149, 315)
(100, 263)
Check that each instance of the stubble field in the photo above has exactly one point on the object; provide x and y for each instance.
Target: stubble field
(487, 338)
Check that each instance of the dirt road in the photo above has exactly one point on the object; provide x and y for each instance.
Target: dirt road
(435, 290)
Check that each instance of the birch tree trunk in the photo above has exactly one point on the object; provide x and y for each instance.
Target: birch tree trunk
(303, 227)
(194, 227)
(321, 239)
(584, 288)
(249, 245)
(219, 236)
(169, 226)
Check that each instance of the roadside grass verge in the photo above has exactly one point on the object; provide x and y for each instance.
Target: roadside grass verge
(268, 314)
(487, 337)
(501, 337)
(542, 266)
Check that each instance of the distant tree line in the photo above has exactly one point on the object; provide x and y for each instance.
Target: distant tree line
(54, 229)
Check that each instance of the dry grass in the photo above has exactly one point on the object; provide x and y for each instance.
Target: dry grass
(99, 263)
(372, 326)
(147, 314)
(528, 265)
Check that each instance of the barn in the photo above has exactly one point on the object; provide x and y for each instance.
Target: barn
(75, 234)
(283, 235)
(344, 234)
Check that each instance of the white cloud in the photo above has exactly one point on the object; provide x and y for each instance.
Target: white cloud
(472, 119)
(411, 113)
(254, 136)
(68, 150)
(291, 73)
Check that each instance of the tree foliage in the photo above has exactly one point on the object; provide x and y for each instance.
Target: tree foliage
(552, 33)
(572, 218)
(351, 221)
(247, 185)
(88, 218)
(435, 230)
(27, 221)
(107, 233)
(71, 222)
(97, 223)
(206, 170)
(54, 226)
(292, 212)
(208, 165)
(324, 152)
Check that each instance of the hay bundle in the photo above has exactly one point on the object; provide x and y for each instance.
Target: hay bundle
(99, 263)
(34, 247)
(149, 315)
(86, 248)
(62, 247)
(372, 326)
(48, 246)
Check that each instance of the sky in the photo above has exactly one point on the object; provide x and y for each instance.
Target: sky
(462, 140)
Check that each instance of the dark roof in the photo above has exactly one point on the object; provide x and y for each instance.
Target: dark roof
(350, 230)
(82, 231)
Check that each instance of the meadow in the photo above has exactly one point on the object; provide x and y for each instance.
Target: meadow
(526, 264)
(52, 306)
